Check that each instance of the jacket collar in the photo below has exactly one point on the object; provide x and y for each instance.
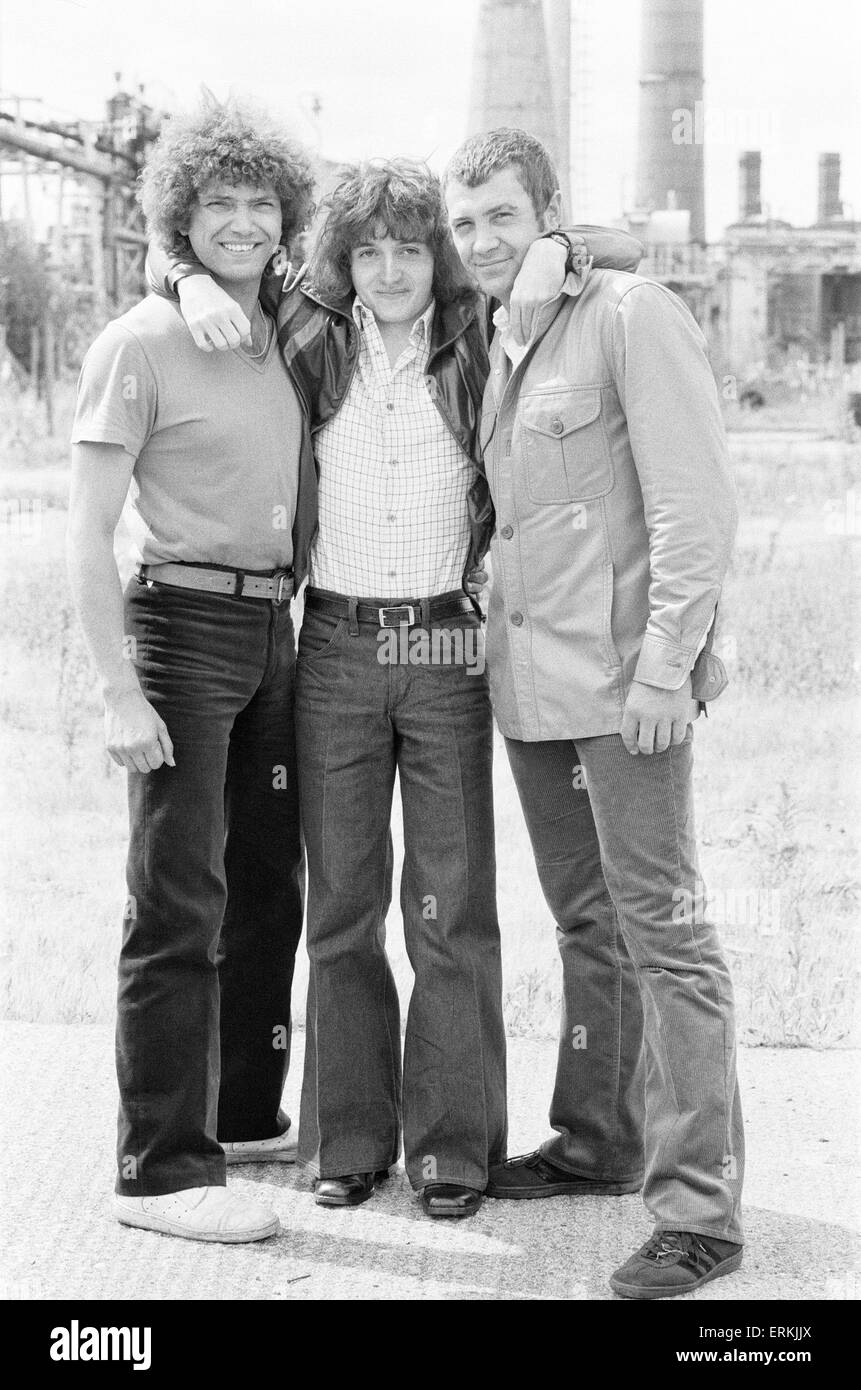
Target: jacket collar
(448, 323)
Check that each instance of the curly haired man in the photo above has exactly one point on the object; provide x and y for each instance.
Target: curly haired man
(197, 661)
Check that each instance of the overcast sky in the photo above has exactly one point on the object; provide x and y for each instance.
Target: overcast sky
(393, 77)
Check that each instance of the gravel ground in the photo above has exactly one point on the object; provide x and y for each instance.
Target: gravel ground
(61, 1242)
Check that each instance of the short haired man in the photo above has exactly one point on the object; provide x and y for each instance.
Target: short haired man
(197, 663)
(605, 455)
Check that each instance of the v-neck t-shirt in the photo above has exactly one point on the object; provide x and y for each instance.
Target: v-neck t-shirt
(215, 437)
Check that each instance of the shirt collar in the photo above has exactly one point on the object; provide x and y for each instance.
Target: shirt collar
(420, 332)
(515, 352)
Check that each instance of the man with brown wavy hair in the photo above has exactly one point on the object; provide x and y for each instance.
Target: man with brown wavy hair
(196, 661)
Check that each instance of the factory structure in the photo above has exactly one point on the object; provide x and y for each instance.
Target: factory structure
(767, 292)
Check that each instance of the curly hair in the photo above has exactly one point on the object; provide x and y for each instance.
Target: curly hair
(400, 198)
(222, 140)
(491, 151)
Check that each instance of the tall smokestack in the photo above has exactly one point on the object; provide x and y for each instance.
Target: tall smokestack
(670, 166)
(830, 206)
(557, 29)
(512, 80)
(749, 185)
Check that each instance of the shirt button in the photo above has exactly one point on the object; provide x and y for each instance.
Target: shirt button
(392, 516)
(390, 405)
(557, 426)
(392, 574)
(507, 532)
(393, 463)
(517, 619)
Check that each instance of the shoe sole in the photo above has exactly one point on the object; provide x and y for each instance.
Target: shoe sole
(352, 1201)
(437, 1215)
(258, 1157)
(563, 1189)
(145, 1221)
(344, 1201)
(637, 1290)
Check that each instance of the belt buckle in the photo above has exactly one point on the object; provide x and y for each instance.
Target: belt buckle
(280, 579)
(397, 608)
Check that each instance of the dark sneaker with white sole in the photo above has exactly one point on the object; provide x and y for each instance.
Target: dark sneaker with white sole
(531, 1175)
(674, 1262)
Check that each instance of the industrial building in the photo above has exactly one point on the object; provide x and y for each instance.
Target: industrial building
(767, 293)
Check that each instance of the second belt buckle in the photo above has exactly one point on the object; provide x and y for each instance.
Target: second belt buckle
(399, 622)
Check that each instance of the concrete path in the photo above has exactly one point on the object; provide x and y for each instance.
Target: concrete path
(59, 1240)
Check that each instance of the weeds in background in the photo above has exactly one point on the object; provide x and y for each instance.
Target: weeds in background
(775, 762)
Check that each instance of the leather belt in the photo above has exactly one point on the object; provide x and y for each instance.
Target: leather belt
(392, 614)
(277, 587)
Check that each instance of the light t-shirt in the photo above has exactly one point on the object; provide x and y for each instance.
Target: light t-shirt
(216, 438)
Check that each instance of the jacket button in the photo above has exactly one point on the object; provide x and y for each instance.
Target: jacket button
(557, 426)
(507, 532)
(517, 619)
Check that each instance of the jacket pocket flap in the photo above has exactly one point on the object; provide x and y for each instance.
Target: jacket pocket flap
(558, 415)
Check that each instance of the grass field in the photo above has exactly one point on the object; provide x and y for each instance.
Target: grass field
(777, 762)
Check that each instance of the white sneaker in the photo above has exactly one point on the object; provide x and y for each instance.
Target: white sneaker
(281, 1149)
(199, 1213)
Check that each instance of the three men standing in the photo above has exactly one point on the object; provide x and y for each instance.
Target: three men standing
(604, 457)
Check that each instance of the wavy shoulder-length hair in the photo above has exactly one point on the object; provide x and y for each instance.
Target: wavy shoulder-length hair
(232, 141)
(400, 198)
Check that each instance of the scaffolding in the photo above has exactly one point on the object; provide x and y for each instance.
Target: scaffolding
(96, 238)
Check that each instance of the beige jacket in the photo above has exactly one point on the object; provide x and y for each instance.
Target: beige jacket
(607, 463)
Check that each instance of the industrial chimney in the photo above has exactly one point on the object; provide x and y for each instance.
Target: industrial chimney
(670, 166)
(749, 185)
(514, 82)
(830, 206)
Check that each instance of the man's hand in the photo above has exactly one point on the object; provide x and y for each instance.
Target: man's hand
(136, 736)
(654, 718)
(539, 280)
(475, 581)
(213, 318)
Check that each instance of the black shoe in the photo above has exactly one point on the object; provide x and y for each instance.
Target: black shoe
(348, 1191)
(531, 1175)
(674, 1262)
(450, 1199)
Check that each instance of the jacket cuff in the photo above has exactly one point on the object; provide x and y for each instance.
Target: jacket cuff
(180, 270)
(662, 663)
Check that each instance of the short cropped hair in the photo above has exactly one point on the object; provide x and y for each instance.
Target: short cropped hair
(491, 151)
(400, 198)
(230, 141)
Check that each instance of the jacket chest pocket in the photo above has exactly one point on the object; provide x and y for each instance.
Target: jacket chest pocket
(567, 455)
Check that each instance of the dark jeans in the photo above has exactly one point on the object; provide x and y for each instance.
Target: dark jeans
(358, 722)
(215, 889)
(615, 848)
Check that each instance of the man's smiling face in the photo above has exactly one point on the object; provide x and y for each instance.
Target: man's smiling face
(234, 229)
(494, 225)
